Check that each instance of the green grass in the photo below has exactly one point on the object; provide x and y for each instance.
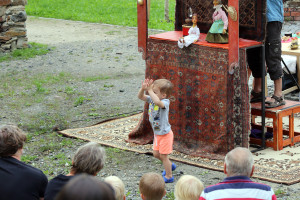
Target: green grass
(28, 158)
(79, 101)
(108, 85)
(95, 78)
(123, 12)
(170, 196)
(18, 54)
(279, 191)
(69, 90)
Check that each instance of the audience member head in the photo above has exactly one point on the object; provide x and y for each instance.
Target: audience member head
(117, 185)
(188, 188)
(152, 186)
(165, 86)
(239, 162)
(89, 158)
(12, 140)
(86, 187)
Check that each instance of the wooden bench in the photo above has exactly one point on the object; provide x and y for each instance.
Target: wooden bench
(278, 142)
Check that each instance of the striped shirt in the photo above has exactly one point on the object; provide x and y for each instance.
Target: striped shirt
(238, 188)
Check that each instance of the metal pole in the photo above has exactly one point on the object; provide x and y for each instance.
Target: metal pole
(263, 107)
(263, 113)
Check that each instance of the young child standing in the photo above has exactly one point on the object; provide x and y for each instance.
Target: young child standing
(158, 93)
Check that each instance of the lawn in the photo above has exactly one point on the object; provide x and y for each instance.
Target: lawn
(122, 12)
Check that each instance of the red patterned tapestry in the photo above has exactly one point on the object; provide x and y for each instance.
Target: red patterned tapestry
(209, 110)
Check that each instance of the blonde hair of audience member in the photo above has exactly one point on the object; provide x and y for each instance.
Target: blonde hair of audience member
(12, 140)
(86, 187)
(117, 185)
(188, 188)
(89, 158)
(152, 186)
(239, 162)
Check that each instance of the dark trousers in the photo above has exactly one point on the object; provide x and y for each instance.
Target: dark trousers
(272, 53)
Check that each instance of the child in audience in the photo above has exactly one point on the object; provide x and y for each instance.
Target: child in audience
(188, 188)
(117, 185)
(152, 186)
(86, 187)
(158, 93)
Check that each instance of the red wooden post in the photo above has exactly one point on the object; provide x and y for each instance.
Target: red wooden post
(233, 31)
(142, 26)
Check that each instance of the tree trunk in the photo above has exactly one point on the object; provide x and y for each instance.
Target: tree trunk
(167, 10)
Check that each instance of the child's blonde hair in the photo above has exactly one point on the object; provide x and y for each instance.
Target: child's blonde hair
(117, 185)
(188, 188)
(152, 186)
(165, 86)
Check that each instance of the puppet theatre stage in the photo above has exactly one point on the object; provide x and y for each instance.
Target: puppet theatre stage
(209, 109)
(275, 166)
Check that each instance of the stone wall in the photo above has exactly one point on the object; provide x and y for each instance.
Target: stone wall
(12, 25)
(292, 10)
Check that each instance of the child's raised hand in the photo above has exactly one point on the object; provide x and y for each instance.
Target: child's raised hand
(149, 85)
(145, 84)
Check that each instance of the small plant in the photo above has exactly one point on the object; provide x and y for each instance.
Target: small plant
(95, 78)
(279, 191)
(108, 86)
(170, 196)
(107, 49)
(69, 90)
(60, 156)
(128, 193)
(29, 137)
(66, 142)
(49, 147)
(113, 150)
(93, 114)
(130, 58)
(39, 87)
(110, 32)
(28, 158)
(203, 173)
(79, 101)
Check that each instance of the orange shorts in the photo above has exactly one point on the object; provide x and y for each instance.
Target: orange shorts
(163, 143)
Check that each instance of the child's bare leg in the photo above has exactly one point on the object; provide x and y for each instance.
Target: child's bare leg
(167, 164)
(156, 154)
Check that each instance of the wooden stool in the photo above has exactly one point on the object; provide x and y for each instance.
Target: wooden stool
(289, 109)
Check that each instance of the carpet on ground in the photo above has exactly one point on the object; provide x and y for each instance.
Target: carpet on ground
(274, 166)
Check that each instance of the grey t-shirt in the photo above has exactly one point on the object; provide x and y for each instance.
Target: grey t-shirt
(159, 117)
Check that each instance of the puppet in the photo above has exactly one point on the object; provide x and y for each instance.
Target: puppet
(194, 34)
(218, 30)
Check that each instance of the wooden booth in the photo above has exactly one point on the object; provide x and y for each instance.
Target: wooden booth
(210, 109)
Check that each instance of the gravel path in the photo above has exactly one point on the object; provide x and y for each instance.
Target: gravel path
(82, 51)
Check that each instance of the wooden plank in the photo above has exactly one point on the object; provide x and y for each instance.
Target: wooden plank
(233, 31)
(142, 27)
(278, 131)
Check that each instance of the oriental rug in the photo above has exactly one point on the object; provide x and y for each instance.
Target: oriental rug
(209, 107)
(274, 166)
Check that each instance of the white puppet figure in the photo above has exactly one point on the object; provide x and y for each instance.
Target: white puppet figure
(194, 34)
